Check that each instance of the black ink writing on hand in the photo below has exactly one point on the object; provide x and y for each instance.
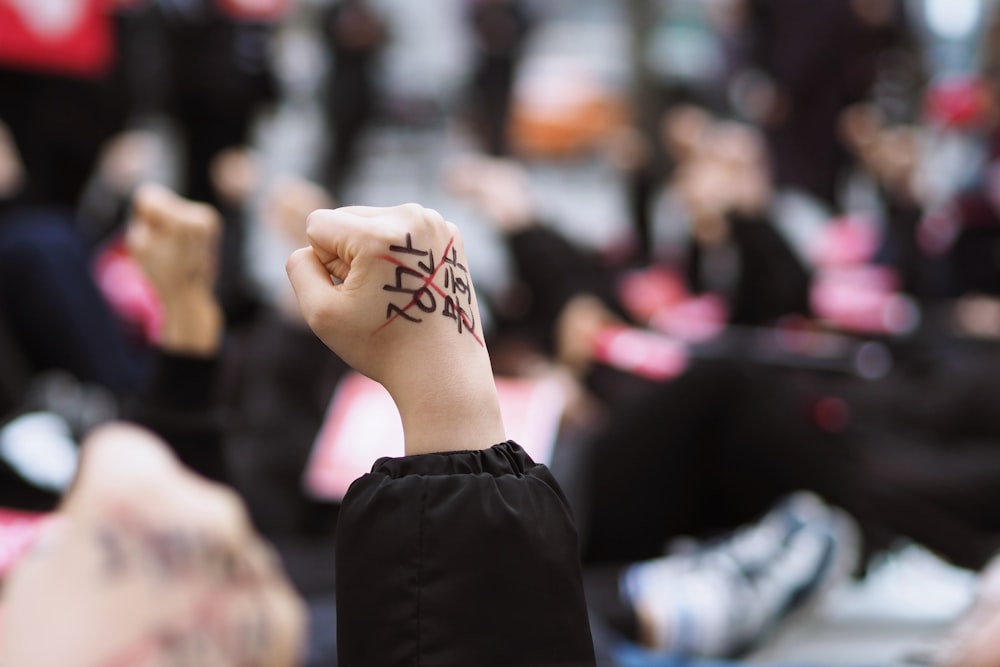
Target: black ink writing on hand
(416, 277)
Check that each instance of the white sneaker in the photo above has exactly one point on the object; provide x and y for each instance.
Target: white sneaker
(724, 598)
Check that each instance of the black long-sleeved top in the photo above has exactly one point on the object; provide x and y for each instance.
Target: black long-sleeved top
(459, 559)
(180, 405)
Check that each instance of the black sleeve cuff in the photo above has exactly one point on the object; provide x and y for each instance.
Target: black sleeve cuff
(460, 558)
(180, 405)
(183, 381)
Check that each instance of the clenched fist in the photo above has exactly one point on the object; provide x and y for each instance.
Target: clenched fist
(389, 290)
(176, 241)
(148, 565)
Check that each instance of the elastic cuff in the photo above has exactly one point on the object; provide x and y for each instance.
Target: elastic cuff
(505, 458)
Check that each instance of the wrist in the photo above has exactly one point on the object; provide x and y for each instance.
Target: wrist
(465, 415)
(192, 324)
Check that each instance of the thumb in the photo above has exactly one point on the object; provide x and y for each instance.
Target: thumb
(317, 295)
(137, 236)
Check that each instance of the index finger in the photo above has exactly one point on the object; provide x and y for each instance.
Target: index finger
(337, 235)
(378, 211)
(342, 233)
(160, 206)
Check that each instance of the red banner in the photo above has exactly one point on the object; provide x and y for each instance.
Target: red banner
(69, 37)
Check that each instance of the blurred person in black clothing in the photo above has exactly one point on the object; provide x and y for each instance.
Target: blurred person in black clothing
(354, 35)
(63, 100)
(217, 74)
(817, 59)
(500, 29)
(729, 436)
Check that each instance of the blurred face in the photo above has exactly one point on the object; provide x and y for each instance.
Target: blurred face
(148, 564)
(737, 146)
(740, 153)
(683, 131)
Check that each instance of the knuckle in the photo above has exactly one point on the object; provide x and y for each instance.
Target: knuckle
(319, 314)
(313, 221)
(132, 237)
(231, 508)
(317, 218)
(433, 217)
(206, 219)
(294, 260)
(415, 212)
(147, 193)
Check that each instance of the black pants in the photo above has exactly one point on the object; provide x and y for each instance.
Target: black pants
(917, 458)
(718, 446)
(55, 313)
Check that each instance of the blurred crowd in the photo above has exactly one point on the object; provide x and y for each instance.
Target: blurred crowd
(804, 296)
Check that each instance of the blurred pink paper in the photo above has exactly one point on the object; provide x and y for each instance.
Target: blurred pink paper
(363, 425)
(863, 299)
(643, 353)
(256, 10)
(695, 320)
(658, 297)
(846, 241)
(646, 291)
(18, 531)
(127, 290)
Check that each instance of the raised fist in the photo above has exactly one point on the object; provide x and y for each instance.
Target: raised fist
(148, 564)
(389, 290)
(176, 241)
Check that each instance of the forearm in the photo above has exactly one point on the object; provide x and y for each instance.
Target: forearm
(462, 413)
(192, 324)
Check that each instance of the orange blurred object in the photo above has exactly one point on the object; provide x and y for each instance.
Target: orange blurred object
(560, 109)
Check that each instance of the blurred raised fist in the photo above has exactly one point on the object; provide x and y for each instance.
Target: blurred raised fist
(12, 174)
(148, 564)
(500, 188)
(176, 241)
(289, 202)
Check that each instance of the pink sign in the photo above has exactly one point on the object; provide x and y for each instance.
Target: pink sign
(363, 425)
(18, 531)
